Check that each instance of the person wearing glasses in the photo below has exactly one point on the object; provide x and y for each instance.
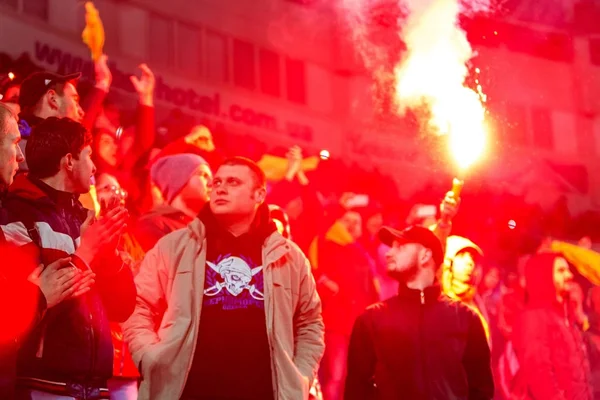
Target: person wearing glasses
(109, 188)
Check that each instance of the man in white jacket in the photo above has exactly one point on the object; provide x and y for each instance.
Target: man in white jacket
(227, 308)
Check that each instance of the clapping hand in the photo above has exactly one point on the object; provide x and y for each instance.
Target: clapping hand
(59, 281)
(101, 235)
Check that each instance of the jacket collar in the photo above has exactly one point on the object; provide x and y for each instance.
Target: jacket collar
(57, 196)
(167, 210)
(427, 296)
(36, 191)
(275, 245)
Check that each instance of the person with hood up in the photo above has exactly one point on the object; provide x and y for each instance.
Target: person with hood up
(592, 339)
(227, 308)
(461, 273)
(553, 363)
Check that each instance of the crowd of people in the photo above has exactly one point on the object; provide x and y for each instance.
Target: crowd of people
(177, 270)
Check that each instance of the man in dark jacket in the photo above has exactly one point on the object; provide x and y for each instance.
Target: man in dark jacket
(419, 344)
(347, 284)
(69, 351)
(18, 296)
(553, 362)
(184, 181)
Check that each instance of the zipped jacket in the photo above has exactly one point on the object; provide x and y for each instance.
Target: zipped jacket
(419, 345)
(69, 350)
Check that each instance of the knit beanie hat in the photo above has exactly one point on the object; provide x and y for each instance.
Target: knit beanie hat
(172, 173)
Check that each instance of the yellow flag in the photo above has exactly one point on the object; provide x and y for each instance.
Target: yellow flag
(93, 33)
(586, 261)
(275, 167)
(89, 200)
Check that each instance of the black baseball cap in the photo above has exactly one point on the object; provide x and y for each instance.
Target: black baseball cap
(414, 234)
(37, 84)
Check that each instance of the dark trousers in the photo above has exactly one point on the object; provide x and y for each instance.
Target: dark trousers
(333, 366)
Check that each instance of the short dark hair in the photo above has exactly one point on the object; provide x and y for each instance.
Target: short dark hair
(50, 141)
(259, 175)
(58, 87)
(5, 114)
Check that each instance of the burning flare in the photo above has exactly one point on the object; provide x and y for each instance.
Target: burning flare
(433, 73)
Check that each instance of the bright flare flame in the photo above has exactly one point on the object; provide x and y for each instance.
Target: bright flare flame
(433, 73)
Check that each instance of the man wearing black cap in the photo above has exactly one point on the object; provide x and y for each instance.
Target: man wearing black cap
(46, 94)
(418, 344)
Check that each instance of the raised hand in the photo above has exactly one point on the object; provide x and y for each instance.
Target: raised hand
(294, 157)
(449, 207)
(101, 236)
(144, 86)
(103, 74)
(345, 200)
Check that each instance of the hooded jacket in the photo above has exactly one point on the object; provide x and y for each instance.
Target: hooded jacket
(157, 223)
(585, 260)
(163, 330)
(592, 339)
(462, 285)
(551, 352)
(69, 351)
(148, 230)
(347, 263)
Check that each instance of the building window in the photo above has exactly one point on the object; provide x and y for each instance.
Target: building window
(11, 3)
(161, 41)
(541, 121)
(296, 80)
(302, 2)
(36, 8)
(244, 70)
(595, 51)
(189, 49)
(270, 75)
(125, 15)
(586, 15)
(553, 13)
(217, 69)
(515, 126)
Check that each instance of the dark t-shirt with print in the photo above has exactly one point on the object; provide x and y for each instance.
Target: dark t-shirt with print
(232, 358)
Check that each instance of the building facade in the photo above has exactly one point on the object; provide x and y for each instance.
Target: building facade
(286, 72)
